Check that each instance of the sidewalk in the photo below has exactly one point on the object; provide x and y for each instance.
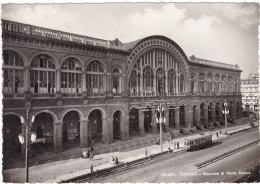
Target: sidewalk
(65, 169)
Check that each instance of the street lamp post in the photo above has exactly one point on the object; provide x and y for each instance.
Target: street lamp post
(25, 141)
(160, 120)
(225, 111)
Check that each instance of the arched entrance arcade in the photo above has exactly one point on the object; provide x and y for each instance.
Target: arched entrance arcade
(133, 122)
(172, 123)
(71, 129)
(12, 127)
(182, 116)
(95, 126)
(43, 126)
(148, 115)
(116, 125)
(195, 119)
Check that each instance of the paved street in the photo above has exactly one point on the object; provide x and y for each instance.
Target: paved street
(64, 169)
(180, 168)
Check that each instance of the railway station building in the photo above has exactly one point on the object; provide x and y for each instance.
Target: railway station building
(80, 89)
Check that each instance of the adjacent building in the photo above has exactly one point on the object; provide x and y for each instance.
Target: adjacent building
(80, 89)
(250, 92)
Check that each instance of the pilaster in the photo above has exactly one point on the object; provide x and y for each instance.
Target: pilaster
(177, 117)
(141, 122)
(124, 128)
(84, 133)
(154, 124)
(107, 130)
(57, 136)
(205, 115)
(26, 78)
(166, 116)
(213, 114)
(58, 87)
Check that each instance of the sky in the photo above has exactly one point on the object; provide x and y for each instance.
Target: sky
(223, 32)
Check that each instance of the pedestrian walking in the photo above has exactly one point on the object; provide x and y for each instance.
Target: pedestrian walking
(217, 134)
(178, 145)
(146, 152)
(91, 168)
(116, 160)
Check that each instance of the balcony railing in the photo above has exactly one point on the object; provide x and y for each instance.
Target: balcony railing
(71, 95)
(47, 95)
(13, 96)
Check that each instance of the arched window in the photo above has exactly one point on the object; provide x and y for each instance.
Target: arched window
(42, 75)
(210, 83)
(133, 82)
(223, 84)
(216, 84)
(230, 87)
(201, 83)
(71, 72)
(147, 77)
(116, 81)
(160, 78)
(13, 73)
(95, 77)
(171, 81)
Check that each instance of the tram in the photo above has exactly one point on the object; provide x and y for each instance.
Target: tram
(198, 141)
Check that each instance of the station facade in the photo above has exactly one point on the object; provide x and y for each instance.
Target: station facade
(81, 89)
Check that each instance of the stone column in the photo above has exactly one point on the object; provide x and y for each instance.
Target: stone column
(58, 87)
(137, 83)
(84, 133)
(27, 78)
(104, 84)
(57, 133)
(141, 85)
(166, 116)
(205, 115)
(154, 84)
(213, 114)
(187, 115)
(141, 122)
(124, 127)
(154, 124)
(197, 115)
(166, 83)
(177, 117)
(109, 83)
(83, 82)
(107, 130)
(177, 84)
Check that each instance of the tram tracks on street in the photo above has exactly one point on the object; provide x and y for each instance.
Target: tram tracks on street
(146, 142)
(224, 155)
(122, 167)
(131, 165)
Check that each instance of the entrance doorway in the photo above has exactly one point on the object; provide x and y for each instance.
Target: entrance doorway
(116, 125)
(148, 120)
(182, 116)
(171, 117)
(71, 130)
(133, 122)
